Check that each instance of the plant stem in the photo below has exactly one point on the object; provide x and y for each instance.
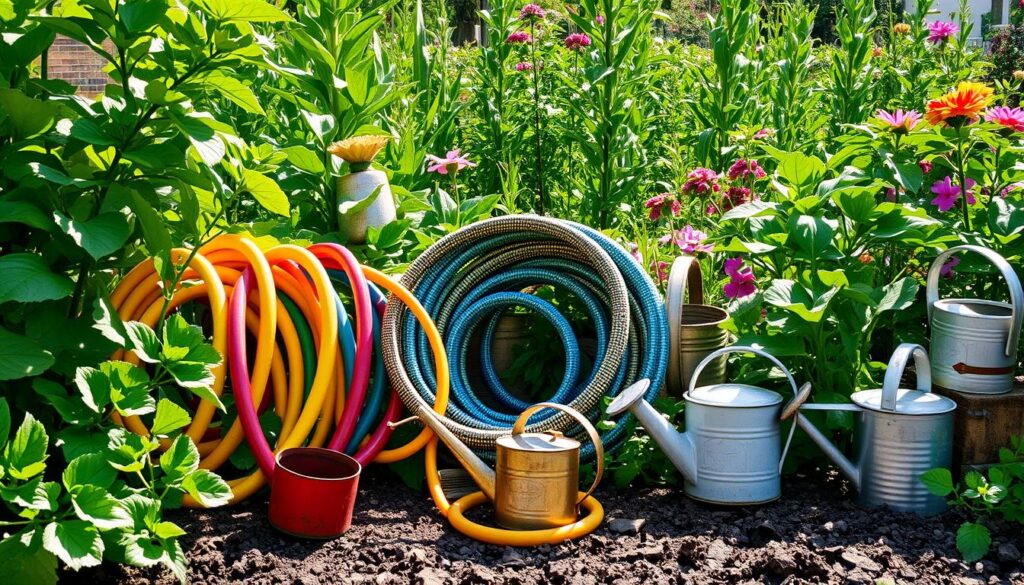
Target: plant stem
(536, 119)
(962, 176)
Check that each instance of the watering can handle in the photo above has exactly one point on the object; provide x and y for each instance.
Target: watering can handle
(894, 372)
(740, 349)
(520, 426)
(1016, 291)
(685, 274)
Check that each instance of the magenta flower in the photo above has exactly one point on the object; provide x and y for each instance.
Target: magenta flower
(599, 19)
(890, 195)
(926, 166)
(947, 193)
(741, 279)
(741, 169)
(661, 268)
(453, 162)
(764, 133)
(947, 269)
(524, 66)
(899, 122)
(577, 41)
(691, 241)
(654, 205)
(1010, 118)
(736, 196)
(701, 181)
(531, 11)
(1011, 188)
(940, 31)
(519, 37)
(675, 207)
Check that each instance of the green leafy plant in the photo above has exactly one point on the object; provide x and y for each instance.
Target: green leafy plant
(997, 493)
(108, 503)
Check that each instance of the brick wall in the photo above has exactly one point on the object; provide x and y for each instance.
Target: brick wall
(77, 64)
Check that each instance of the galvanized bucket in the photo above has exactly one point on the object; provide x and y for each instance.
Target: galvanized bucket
(695, 329)
(974, 341)
(899, 435)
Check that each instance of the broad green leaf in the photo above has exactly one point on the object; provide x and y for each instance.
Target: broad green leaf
(24, 212)
(92, 132)
(302, 158)
(97, 506)
(973, 541)
(5, 422)
(100, 236)
(75, 542)
(180, 460)
(791, 296)
(21, 357)
(27, 279)
(899, 295)
(140, 551)
(202, 136)
(127, 450)
(89, 469)
(266, 191)
(169, 417)
(26, 453)
(35, 496)
(180, 334)
(856, 204)
(245, 11)
(811, 235)
(107, 322)
(321, 124)
(94, 386)
(752, 209)
(21, 564)
(144, 341)
(207, 488)
(139, 15)
(32, 117)
(129, 388)
(168, 530)
(236, 91)
(347, 208)
(939, 481)
(154, 229)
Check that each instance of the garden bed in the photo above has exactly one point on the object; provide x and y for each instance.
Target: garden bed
(815, 534)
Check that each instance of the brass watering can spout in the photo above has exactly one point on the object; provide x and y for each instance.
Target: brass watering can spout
(677, 446)
(482, 475)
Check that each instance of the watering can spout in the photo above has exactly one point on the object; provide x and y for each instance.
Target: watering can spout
(482, 475)
(846, 467)
(679, 447)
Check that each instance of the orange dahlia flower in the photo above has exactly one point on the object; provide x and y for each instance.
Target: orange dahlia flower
(961, 106)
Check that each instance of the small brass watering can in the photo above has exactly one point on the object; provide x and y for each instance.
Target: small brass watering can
(694, 329)
(974, 341)
(900, 434)
(731, 452)
(536, 482)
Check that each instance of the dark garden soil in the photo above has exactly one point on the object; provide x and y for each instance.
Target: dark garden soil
(813, 535)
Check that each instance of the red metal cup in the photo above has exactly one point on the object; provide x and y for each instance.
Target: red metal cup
(313, 491)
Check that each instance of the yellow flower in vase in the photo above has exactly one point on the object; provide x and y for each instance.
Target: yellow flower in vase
(359, 151)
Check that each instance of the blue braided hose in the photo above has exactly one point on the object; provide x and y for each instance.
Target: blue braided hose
(470, 277)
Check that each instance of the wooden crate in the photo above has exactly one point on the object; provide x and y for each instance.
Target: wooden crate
(983, 424)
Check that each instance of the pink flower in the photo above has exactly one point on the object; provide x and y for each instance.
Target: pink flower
(701, 181)
(661, 268)
(947, 269)
(940, 31)
(764, 133)
(1009, 118)
(531, 11)
(926, 166)
(947, 193)
(890, 195)
(519, 37)
(676, 207)
(453, 162)
(1012, 187)
(741, 279)
(711, 209)
(599, 19)
(634, 251)
(899, 122)
(524, 66)
(654, 205)
(736, 196)
(577, 41)
(741, 169)
(691, 241)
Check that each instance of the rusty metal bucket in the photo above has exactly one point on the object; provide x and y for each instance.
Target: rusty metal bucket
(695, 329)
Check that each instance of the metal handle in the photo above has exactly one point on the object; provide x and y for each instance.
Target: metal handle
(685, 273)
(520, 426)
(740, 349)
(1016, 292)
(894, 372)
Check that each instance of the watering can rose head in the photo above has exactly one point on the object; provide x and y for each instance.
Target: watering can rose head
(359, 151)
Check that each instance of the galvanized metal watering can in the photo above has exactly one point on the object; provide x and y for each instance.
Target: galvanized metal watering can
(899, 435)
(536, 482)
(695, 329)
(730, 452)
(974, 341)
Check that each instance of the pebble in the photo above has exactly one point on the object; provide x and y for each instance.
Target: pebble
(430, 576)
(719, 551)
(512, 558)
(1008, 553)
(626, 525)
(861, 562)
(837, 526)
